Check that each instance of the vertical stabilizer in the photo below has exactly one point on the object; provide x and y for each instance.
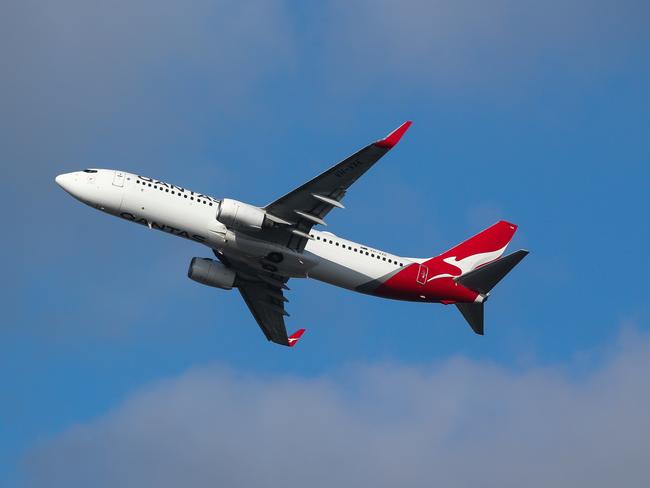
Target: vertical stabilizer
(489, 244)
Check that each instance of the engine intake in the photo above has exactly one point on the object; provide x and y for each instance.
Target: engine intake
(211, 273)
(240, 215)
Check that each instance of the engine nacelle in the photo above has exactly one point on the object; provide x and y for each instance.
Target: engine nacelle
(240, 215)
(212, 273)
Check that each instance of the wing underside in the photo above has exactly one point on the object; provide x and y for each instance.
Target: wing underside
(266, 303)
(263, 293)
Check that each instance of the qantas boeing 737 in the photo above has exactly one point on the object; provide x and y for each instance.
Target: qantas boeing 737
(258, 249)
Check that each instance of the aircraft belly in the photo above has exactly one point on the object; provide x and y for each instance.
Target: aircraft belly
(256, 252)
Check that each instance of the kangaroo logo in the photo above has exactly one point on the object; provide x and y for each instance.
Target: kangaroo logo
(469, 263)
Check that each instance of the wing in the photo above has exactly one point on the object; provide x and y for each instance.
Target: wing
(263, 293)
(266, 303)
(299, 210)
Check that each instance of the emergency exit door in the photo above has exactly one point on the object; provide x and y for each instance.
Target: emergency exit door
(423, 272)
(118, 179)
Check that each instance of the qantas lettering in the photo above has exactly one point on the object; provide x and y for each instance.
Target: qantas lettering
(164, 227)
(177, 188)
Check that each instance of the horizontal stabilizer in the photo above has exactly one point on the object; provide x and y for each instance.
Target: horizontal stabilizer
(473, 313)
(485, 278)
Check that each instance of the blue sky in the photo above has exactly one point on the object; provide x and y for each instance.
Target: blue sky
(534, 113)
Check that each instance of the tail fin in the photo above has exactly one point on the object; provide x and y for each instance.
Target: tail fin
(480, 266)
(482, 248)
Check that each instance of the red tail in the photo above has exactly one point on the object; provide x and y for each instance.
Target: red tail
(484, 247)
(490, 240)
(435, 279)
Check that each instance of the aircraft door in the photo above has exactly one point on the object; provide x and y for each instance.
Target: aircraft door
(423, 272)
(118, 179)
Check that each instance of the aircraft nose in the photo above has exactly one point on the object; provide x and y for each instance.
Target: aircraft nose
(64, 181)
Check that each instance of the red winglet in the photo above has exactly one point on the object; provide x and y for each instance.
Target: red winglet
(393, 138)
(293, 338)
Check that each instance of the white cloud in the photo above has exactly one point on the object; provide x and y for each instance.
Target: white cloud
(458, 423)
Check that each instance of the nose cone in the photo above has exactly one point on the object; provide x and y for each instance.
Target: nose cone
(64, 181)
(73, 183)
(94, 187)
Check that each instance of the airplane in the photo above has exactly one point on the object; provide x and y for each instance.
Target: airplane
(258, 249)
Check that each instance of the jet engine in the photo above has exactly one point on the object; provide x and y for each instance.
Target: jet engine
(212, 273)
(237, 214)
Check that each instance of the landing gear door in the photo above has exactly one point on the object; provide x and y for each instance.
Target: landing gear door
(118, 179)
(423, 272)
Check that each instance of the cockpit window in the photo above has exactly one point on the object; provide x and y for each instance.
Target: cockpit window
(90, 171)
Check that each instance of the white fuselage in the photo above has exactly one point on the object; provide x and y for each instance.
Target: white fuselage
(184, 213)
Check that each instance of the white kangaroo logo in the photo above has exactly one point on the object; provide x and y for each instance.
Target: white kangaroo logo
(469, 263)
